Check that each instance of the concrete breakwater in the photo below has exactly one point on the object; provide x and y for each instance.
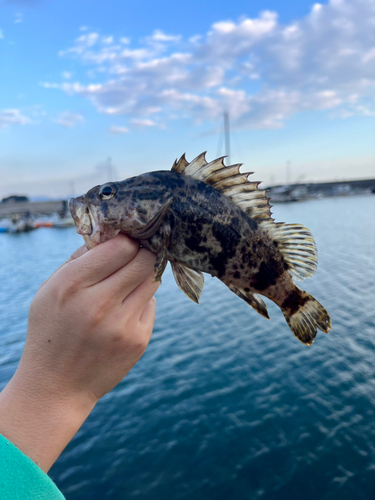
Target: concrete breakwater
(33, 207)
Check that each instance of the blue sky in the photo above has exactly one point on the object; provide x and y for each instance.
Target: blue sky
(143, 82)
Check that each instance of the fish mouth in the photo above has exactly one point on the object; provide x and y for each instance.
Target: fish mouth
(88, 224)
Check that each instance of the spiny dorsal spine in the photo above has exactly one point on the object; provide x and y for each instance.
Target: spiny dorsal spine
(229, 181)
(295, 242)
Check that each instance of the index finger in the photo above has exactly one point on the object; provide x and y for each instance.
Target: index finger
(103, 260)
(77, 253)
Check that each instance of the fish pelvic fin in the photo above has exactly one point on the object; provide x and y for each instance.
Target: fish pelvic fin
(305, 315)
(162, 259)
(160, 265)
(252, 299)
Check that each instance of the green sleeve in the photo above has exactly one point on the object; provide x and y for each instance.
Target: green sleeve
(21, 478)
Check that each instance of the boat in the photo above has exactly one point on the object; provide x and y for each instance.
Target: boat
(21, 223)
(59, 221)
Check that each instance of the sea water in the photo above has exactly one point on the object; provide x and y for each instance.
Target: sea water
(225, 405)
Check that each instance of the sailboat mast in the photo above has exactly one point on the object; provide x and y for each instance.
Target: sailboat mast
(227, 137)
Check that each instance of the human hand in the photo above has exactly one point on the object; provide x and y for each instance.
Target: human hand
(89, 324)
(97, 309)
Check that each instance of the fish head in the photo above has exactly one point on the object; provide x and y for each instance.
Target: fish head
(114, 207)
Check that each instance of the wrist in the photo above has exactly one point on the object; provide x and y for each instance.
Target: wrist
(40, 418)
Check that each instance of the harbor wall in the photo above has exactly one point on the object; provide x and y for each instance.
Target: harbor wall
(363, 184)
(34, 207)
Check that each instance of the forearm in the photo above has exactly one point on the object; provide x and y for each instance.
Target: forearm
(39, 419)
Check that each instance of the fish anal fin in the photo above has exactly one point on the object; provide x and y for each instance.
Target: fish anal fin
(252, 299)
(297, 245)
(189, 281)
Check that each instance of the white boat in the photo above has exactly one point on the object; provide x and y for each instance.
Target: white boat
(21, 224)
(56, 220)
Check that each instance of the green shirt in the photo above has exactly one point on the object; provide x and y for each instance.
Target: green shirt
(21, 478)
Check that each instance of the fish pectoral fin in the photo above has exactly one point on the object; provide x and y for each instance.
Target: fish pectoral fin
(252, 299)
(150, 228)
(191, 282)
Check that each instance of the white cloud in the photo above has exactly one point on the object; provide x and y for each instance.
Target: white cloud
(159, 36)
(260, 70)
(369, 56)
(1, 33)
(145, 123)
(67, 75)
(83, 43)
(12, 117)
(107, 39)
(115, 130)
(248, 28)
(68, 119)
(18, 17)
(360, 110)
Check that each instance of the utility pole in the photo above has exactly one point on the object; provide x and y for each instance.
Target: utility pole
(227, 137)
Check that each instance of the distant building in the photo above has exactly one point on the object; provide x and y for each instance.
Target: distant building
(15, 199)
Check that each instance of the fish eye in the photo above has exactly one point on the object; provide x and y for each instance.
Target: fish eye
(107, 191)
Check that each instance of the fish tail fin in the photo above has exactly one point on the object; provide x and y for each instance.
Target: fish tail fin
(305, 315)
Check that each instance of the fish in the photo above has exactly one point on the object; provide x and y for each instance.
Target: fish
(206, 217)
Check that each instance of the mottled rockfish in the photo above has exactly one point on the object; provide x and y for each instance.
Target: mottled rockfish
(208, 218)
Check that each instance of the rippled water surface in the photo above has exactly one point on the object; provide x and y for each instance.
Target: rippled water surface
(225, 404)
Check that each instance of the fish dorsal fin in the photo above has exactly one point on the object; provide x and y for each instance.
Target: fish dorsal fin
(179, 166)
(230, 182)
(294, 241)
(297, 245)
